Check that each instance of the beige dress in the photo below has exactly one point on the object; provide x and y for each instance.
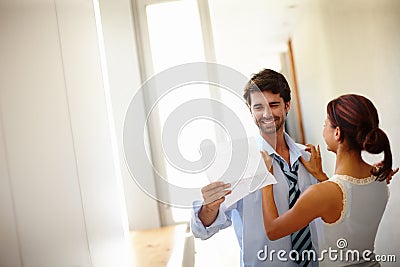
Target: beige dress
(350, 240)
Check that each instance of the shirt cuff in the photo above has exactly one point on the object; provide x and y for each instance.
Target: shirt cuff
(199, 230)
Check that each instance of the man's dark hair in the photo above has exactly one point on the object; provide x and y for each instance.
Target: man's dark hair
(267, 80)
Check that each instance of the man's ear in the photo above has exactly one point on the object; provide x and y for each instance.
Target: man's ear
(287, 107)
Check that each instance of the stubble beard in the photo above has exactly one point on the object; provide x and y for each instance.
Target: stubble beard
(271, 129)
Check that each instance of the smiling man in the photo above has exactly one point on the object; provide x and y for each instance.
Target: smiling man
(268, 97)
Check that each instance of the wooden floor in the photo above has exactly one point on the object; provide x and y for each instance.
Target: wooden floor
(159, 247)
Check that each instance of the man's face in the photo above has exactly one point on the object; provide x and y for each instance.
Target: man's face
(269, 111)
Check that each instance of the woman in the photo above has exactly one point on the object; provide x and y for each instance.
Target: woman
(352, 202)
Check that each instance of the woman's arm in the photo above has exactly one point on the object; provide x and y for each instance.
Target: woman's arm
(319, 200)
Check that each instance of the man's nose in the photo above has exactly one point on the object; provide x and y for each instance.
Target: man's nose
(267, 112)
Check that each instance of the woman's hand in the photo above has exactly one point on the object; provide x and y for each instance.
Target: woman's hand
(314, 165)
(268, 161)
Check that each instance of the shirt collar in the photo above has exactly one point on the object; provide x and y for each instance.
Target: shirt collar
(295, 150)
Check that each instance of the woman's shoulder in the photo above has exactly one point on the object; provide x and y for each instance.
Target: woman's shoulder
(324, 190)
(326, 185)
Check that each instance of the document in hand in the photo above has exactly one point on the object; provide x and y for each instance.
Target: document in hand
(239, 163)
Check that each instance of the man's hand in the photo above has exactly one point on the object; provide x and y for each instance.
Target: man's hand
(390, 176)
(392, 173)
(213, 195)
(314, 165)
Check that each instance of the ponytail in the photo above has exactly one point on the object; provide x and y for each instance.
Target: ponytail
(376, 141)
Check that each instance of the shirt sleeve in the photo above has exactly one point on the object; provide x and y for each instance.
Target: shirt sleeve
(223, 220)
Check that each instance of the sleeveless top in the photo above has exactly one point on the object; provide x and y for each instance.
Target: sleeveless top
(350, 240)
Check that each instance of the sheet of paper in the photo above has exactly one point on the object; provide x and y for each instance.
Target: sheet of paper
(239, 163)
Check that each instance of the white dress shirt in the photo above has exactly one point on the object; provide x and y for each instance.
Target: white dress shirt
(247, 219)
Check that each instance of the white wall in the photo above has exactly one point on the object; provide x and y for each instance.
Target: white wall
(352, 46)
(312, 56)
(61, 202)
(124, 80)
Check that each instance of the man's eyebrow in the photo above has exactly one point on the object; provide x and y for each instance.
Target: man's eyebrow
(274, 103)
(257, 105)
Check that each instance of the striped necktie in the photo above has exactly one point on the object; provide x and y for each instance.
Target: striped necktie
(301, 240)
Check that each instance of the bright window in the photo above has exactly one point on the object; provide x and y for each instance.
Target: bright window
(176, 38)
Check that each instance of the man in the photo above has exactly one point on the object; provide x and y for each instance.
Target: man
(265, 89)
